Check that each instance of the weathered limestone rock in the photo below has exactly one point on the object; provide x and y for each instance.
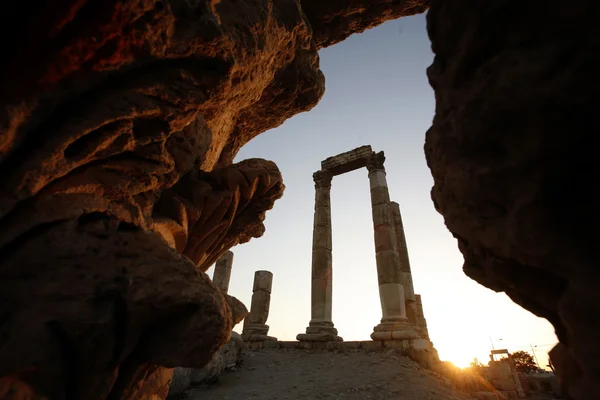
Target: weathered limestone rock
(237, 308)
(181, 380)
(513, 152)
(228, 357)
(255, 324)
(422, 352)
(232, 352)
(487, 396)
(222, 273)
(119, 121)
(394, 323)
(334, 20)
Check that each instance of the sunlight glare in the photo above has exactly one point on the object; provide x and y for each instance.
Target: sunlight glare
(459, 357)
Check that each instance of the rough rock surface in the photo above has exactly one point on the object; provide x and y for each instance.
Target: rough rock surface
(487, 396)
(227, 358)
(301, 374)
(513, 151)
(233, 350)
(119, 121)
(238, 310)
(334, 20)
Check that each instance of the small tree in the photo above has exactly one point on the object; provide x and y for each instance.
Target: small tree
(476, 364)
(524, 362)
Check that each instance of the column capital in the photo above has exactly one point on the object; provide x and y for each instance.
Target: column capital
(376, 161)
(322, 178)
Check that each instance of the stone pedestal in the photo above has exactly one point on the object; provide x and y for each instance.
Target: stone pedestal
(405, 271)
(394, 323)
(222, 272)
(255, 327)
(321, 327)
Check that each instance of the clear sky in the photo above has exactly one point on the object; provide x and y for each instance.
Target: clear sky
(376, 93)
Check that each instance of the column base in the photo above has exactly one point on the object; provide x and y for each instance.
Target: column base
(393, 324)
(394, 329)
(318, 337)
(261, 329)
(256, 333)
(319, 331)
(257, 337)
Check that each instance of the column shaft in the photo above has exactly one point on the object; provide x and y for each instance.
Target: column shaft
(255, 324)
(322, 259)
(321, 327)
(405, 271)
(222, 273)
(391, 290)
(421, 321)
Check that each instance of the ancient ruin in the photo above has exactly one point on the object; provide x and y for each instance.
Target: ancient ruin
(255, 324)
(504, 376)
(396, 290)
(222, 272)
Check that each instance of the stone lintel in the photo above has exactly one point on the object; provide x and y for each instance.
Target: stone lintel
(348, 161)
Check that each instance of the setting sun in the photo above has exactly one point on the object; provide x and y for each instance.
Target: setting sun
(458, 358)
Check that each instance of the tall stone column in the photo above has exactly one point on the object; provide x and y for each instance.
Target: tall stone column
(255, 324)
(405, 271)
(222, 272)
(421, 321)
(394, 323)
(320, 327)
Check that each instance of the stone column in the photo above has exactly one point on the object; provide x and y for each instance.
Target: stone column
(421, 321)
(394, 323)
(405, 272)
(320, 327)
(222, 272)
(255, 324)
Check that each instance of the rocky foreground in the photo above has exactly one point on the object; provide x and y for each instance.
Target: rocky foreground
(301, 374)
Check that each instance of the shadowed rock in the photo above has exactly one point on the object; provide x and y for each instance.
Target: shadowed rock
(227, 358)
(119, 123)
(513, 151)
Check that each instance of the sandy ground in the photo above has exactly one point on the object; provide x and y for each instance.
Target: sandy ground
(297, 374)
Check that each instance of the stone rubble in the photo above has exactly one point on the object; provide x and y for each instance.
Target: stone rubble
(227, 358)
